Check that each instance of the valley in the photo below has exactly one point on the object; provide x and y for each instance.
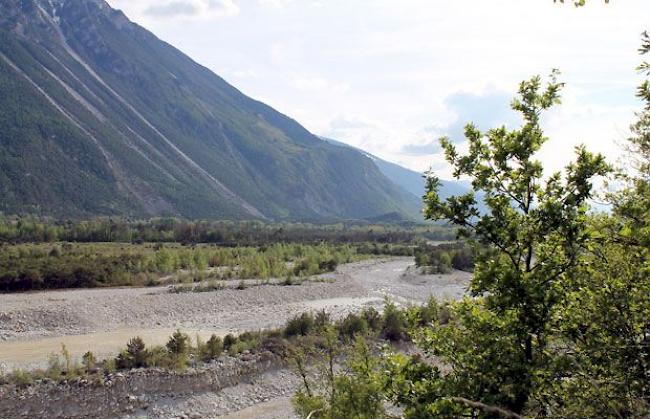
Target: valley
(35, 325)
(102, 320)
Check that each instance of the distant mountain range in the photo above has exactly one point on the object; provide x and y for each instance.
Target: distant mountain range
(100, 117)
(409, 180)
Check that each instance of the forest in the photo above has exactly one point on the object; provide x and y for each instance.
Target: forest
(29, 229)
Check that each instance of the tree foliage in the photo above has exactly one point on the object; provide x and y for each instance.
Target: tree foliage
(558, 323)
(559, 320)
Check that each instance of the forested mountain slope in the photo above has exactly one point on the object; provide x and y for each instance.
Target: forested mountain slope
(98, 116)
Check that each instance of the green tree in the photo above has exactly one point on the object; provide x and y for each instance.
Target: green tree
(534, 229)
(134, 356)
(605, 321)
(178, 347)
(355, 392)
(213, 348)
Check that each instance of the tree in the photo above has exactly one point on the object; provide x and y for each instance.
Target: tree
(134, 356)
(355, 392)
(213, 348)
(178, 347)
(605, 322)
(534, 230)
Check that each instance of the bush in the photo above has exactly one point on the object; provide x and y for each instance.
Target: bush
(158, 357)
(134, 356)
(321, 320)
(276, 344)
(328, 265)
(429, 313)
(178, 347)
(54, 367)
(305, 404)
(300, 325)
(88, 361)
(352, 325)
(21, 378)
(110, 366)
(229, 340)
(238, 347)
(213, 348)
(394, 328)
(372, 318)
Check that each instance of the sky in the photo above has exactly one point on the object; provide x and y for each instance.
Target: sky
(393, 76)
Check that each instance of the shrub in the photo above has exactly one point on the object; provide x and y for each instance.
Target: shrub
(429, 313)
(21, 378)
(306, 404)
(394, 328)
(229, 340)
(238, 347)
(276, 344)
(54, 367)
(158, 357)
(178, 347)
(373, 318)
(352, 325)
(213, 348)
(134, 356)
(88, 361)
(300, 325)
(110, 366)
(328, 265)
(322, 319)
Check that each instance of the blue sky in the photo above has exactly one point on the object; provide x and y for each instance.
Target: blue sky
(393, 76)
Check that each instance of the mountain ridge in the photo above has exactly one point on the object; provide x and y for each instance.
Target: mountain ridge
(409, 180)
(102, 117)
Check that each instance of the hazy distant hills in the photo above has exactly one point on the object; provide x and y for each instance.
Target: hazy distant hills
(408, 179)
(98, 116)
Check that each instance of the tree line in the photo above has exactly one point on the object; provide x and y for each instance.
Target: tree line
(14, 229)
(28, 267)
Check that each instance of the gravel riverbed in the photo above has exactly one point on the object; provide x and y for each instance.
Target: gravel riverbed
(33, 325)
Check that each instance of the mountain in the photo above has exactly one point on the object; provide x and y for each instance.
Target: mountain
(100, 117)
(409, 180)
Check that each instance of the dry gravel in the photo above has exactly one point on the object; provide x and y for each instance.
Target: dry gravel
(81, 311)
(33, 325)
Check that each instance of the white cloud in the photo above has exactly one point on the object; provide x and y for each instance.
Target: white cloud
(178, 9)
(392, 76)
(275, 3)
(319, 84)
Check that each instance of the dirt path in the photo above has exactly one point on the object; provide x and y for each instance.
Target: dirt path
(35, 324)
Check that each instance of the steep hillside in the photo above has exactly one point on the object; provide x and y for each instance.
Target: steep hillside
(98, 116)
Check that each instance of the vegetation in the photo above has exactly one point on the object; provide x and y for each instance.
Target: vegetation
(48, 266)
(443, 258)
(558, 323)
(303, 336)
(110, 161)
(225, 233)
